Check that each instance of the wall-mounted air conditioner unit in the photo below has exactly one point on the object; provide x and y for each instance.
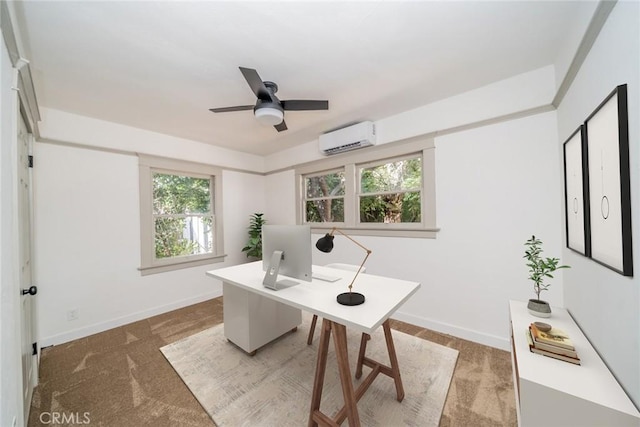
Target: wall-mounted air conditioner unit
(349, 138)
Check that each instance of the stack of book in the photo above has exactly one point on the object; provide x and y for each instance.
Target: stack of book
(553, 343)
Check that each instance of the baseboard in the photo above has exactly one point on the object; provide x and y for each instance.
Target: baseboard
(445, 328)
(120, 321)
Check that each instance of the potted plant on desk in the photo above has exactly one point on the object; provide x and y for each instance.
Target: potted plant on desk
(539, 270)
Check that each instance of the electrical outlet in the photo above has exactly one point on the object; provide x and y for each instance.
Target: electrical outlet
(72, 314)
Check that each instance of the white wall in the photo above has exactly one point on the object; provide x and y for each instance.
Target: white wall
(523, 92)
(10, 364)
(496, 185)
(66, 127)
(498, 99)
(282, 190)
(87, 224)
(243, 196)
(604, 303)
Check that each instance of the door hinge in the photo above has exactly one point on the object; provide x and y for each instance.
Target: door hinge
(30, 161)
(35, 348)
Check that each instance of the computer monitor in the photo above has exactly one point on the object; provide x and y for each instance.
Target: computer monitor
(286, 250)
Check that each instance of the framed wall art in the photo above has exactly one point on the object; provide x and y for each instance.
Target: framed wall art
(576, 200)
(608, 183)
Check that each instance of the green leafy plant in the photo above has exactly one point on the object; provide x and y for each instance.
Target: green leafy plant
(539, 268)
(254, 245)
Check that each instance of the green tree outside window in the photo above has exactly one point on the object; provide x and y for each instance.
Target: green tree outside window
(390, 192)
(182, 214)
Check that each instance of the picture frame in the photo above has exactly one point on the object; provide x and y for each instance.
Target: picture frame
(608, 183)
(576, 201)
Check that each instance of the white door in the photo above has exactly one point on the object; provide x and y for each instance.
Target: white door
(27, 290)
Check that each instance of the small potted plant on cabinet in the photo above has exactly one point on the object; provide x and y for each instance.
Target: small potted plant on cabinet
(540, 269)
(253, 247)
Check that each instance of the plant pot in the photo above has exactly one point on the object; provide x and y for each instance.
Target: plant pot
(539, 308)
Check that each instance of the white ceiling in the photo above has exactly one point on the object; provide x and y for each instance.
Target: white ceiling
(161, 65)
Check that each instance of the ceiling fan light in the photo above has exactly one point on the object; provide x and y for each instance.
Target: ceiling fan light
(269, 115)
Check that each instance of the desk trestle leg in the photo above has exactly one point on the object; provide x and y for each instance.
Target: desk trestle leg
(351, 396)
(395, 368)
(361, 353)
(316, 417)
(377, 367)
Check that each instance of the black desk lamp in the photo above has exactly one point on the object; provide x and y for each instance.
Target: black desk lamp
(325, 244)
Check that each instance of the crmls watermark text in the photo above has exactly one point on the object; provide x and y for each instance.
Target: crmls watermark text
(69, 418)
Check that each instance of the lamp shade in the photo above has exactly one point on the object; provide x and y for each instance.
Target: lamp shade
(269, 115)
(325, 244)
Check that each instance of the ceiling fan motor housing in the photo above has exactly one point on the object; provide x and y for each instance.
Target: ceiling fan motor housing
(271, 86)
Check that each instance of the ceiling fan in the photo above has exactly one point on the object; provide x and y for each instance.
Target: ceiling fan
(268, 108)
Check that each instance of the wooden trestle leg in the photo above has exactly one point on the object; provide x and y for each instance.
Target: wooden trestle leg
(342, 356)
(361, 353)
(311, 329)
(321, 366)
(395, 368)
(351, 396)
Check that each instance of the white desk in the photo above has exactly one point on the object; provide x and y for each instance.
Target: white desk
(249, 306)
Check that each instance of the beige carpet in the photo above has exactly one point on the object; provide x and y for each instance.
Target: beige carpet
(274, 387)
(122, 379)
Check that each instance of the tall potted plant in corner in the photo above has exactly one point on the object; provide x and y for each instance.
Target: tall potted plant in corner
(254, 245)
(540, 269)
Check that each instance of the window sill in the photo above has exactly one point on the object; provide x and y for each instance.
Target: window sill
(421, 233)
(178, 265)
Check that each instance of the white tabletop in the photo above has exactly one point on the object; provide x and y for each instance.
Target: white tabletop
(383, 295)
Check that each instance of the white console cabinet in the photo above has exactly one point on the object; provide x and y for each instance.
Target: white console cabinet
(551, 392)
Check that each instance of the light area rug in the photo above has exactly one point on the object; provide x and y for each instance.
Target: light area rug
(273, 388)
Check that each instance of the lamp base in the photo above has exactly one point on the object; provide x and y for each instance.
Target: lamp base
(350, 298)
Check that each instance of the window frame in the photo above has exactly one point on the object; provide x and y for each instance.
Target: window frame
(148, 165)
(355, 160)
(320, 173)
(359, 193)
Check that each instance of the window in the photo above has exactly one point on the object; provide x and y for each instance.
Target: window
(179, 225)
(390, 192)
(383, 190)
(324, 197)
(182, 215)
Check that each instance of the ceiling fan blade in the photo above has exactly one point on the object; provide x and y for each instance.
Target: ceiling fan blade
(256, 84)
(230, 109)
(304, 104)
(282, 126)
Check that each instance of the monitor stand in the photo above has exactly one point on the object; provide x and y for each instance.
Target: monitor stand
(271, 277)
